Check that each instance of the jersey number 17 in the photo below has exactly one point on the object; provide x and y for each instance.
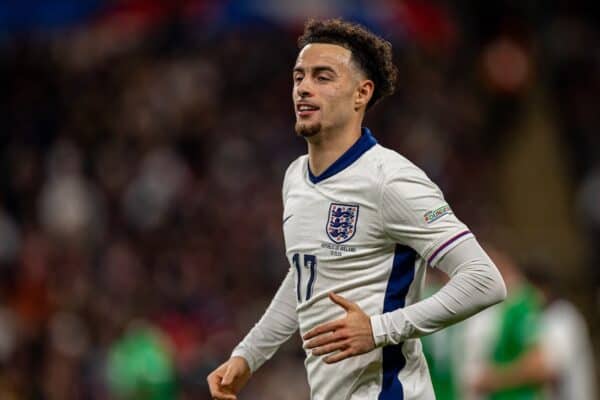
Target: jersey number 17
(310, 263)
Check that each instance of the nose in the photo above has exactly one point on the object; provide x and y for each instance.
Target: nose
(304, 88)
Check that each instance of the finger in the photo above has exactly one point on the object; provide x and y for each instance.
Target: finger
(213, 382)
(339, 345)
(343, 302)
(339, 356)
(326, 338)
(228, 376)
(215, 390)
(223, 396)
(323, 328)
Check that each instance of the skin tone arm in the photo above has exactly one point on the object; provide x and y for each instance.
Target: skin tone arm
(529, 369)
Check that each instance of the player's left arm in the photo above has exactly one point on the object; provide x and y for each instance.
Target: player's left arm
(415, 214)
(475, 284)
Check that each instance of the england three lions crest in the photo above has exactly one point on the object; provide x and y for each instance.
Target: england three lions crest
(341, 223)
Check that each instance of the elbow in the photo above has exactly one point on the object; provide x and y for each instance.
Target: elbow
(496, 288)
(498, 291)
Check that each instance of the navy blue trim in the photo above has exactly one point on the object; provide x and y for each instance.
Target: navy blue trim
(296, 262)
(364, 143)
(312, 261)
(403, 274)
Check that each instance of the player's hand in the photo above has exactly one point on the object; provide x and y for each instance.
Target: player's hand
(349, 336)
(485, 381)
(228, 379)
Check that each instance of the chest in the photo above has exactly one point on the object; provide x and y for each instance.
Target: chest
(331, 221)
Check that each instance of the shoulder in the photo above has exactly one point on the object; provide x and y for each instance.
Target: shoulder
(393, 165)
(400, 175)
(564, 313)
(295, 168)
(293, 171)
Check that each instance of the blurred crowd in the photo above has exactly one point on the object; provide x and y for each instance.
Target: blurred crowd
(141, 168)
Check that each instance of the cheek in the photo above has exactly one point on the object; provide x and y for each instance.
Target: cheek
(339, 99)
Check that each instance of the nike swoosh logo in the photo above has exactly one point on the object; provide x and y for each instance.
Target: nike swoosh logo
(286, 219)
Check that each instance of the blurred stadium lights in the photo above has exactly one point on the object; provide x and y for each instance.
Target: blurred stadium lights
(428, 23)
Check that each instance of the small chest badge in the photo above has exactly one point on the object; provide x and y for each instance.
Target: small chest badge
(341, 224)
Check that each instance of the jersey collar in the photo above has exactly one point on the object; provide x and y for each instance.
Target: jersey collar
(364, 143)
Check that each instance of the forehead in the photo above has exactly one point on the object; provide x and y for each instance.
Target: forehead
(323, 54)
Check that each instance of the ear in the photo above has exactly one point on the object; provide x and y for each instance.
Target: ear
(364, 92)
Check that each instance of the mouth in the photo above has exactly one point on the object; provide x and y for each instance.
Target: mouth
(305, 110)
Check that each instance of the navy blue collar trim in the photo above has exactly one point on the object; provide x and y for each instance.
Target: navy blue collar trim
(364, 143)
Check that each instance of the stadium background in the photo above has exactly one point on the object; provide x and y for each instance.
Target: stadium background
(143, 145)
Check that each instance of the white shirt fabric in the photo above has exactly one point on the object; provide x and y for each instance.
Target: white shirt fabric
(569, 353)
(366, 229)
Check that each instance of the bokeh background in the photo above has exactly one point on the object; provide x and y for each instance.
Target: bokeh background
(143, 145)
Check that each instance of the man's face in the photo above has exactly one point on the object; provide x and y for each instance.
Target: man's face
(325, 82)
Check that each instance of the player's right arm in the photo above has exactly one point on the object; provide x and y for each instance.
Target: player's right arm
(277, 325)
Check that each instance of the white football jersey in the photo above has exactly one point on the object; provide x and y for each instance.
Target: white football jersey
(366, 229)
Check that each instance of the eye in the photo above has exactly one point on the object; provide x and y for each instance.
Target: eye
(298, 78)
(322, 78)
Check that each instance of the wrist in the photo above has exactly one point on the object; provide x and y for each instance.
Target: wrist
(246, 357)
(378, 330)
(242, 360)
(391, 328)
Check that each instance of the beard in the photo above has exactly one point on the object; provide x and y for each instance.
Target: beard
(307, 130)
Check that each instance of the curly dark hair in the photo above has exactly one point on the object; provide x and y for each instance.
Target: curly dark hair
(370, 52)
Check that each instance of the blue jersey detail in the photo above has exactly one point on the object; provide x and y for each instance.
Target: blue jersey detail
(403, 273)
(310, 262)
(364, 143)
(296, 262)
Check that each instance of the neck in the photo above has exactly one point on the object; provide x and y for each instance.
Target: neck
(326, 147)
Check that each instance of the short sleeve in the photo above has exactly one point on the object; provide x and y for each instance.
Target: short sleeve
(415, 214)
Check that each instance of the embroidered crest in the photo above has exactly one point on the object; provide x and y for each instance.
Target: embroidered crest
(341, 224)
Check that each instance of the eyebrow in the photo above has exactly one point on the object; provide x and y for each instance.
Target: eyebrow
(317, 69)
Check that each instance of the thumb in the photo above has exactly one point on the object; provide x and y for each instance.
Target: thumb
(343, 302)
(229, 376)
